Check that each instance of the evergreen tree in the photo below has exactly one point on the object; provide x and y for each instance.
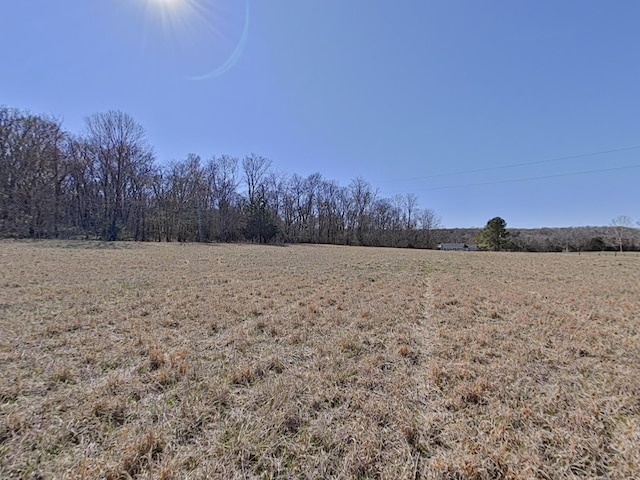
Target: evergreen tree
(261, 224)
(494, 236)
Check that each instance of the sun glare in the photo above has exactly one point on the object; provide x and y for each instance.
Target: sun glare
(168, 6)
(172, 15)
(170, 3)
(192, 26)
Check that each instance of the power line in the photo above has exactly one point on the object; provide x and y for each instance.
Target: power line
(515, 180)
(522, 164)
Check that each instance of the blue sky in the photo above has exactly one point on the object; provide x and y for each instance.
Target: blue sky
(416, 96)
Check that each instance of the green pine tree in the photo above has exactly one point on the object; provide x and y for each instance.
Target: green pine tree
(494, 236)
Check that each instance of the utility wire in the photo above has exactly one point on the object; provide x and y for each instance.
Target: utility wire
(513, 165)
(515, 180)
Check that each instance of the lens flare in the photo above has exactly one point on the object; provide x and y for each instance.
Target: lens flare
(172, 14)
(199, 28)
(234, 57)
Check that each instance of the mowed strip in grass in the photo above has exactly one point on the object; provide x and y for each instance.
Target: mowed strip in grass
(240, 361)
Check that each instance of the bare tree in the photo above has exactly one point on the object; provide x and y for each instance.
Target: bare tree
(32, 171)
(620, 224)
(275, 186)
(398, 218)
(255, 170)
(185, 192)
(411, 205)
(307, 207)
(429, 221)
(288, 212)
(362, 197)
(83, 198)
(384, 222)
(226, 199)
(261, 222)
(122, 159)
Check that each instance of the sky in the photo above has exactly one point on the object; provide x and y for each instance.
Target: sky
(527, 110)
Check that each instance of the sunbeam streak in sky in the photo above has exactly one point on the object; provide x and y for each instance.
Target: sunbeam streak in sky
(235, 55)
(173, 15)
(204, 29)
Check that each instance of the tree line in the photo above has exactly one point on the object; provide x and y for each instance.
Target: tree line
(106, 183)
(497, 237)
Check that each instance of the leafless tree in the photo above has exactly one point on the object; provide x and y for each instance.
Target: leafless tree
(123, 162)
(429, 221)
(226, 200)
(307, 207)
(255, 170)
(411, 205)
(621, 223)
(330, 208)
(362, 196)
(83, 198)
(32, 171)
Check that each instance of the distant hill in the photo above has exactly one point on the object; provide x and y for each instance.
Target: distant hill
(553, 239)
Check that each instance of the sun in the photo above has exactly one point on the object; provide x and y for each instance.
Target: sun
(173, 15)
(168, 5)
(167, 2)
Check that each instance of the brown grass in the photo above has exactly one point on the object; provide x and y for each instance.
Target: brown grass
(239, 361)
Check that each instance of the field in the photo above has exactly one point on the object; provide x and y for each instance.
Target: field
(242, 361)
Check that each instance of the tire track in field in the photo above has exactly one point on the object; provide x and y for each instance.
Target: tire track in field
(426, 331)
(422, 437)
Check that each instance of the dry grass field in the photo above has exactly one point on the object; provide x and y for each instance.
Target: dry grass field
(238, 361)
